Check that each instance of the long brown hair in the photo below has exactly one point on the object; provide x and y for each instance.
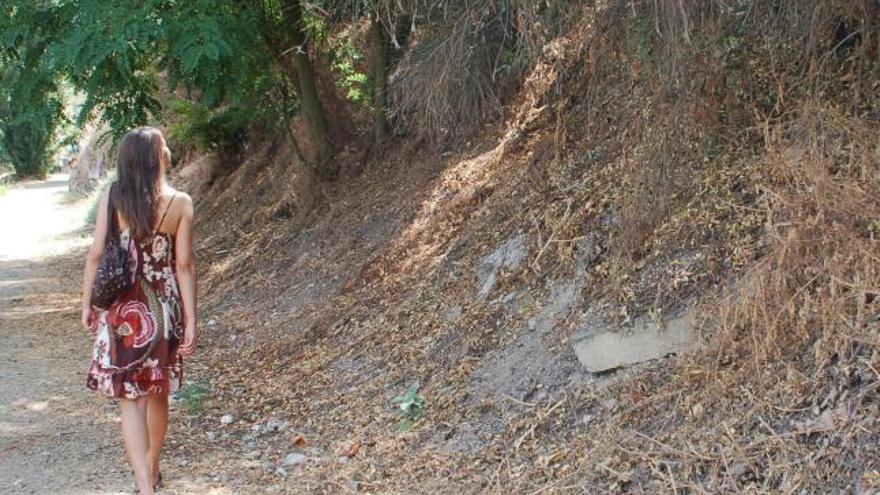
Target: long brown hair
(138, 178)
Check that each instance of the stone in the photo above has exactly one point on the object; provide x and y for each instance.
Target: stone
(227, 419)
(646, 340)
(294, 458)
(250, 464)
(274, 425)
(451, 314)
(508, 256)
(562, 297)
(509, 298)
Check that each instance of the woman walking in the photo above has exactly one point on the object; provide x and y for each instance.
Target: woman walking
(146, 328)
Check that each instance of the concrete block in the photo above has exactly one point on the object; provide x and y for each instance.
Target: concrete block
(646, 340)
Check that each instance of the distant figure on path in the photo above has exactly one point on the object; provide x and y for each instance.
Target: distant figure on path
(141, 338)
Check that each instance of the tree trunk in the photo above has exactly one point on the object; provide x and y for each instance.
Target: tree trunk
(310, 103)
(379, 56)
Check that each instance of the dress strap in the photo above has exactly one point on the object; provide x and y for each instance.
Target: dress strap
(161, 220)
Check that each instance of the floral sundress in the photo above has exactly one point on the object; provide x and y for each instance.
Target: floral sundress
(136, 342)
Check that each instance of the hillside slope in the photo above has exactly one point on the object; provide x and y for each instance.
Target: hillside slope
(661, 156)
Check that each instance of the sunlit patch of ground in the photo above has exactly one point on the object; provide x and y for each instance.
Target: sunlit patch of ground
(39, 219)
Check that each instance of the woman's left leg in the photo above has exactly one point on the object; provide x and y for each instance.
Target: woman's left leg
(157, 425)
(132, 412)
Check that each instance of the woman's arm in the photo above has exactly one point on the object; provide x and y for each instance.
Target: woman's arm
(186, 275)
(92, 259)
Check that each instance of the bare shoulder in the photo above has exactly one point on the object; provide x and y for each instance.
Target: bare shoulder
(186, 203)
(182, 202)
(181, 196)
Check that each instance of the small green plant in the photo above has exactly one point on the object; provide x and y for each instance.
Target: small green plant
(411, 407)
(192, 396)
(345, 59)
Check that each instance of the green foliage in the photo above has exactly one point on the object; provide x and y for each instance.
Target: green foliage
(411, 407)
(116, 51)
(224, 129)
(193, 396)
(344, 60)
(218, 47)
(30, 104)
(232, 58)
(108, 51)
(26, 135)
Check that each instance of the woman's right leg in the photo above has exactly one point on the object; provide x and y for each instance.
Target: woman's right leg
(157, 425)
(133, 413)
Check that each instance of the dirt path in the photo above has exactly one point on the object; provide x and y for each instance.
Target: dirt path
(55, 435)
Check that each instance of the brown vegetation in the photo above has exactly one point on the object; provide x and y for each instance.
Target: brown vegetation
(670, 152)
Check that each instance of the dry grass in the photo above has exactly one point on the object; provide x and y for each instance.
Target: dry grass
(783, 397)
(720, 151)
(445, 87)
(455, 78)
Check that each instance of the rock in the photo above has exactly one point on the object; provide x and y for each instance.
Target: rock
(211, 435)
(280, 471)
(294, 458)
(509, 298)
(342, 459)
(509, 256)
(250, 464)
(739, 468)
(465, 440)
(212, 323)
(227, 419)
(562, 297)
(607, 350)
(451, 314)
(275, 425)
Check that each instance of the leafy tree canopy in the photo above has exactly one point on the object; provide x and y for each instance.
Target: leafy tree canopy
(120, 53)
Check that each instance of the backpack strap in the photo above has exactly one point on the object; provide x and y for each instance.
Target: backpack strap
(113, 223)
